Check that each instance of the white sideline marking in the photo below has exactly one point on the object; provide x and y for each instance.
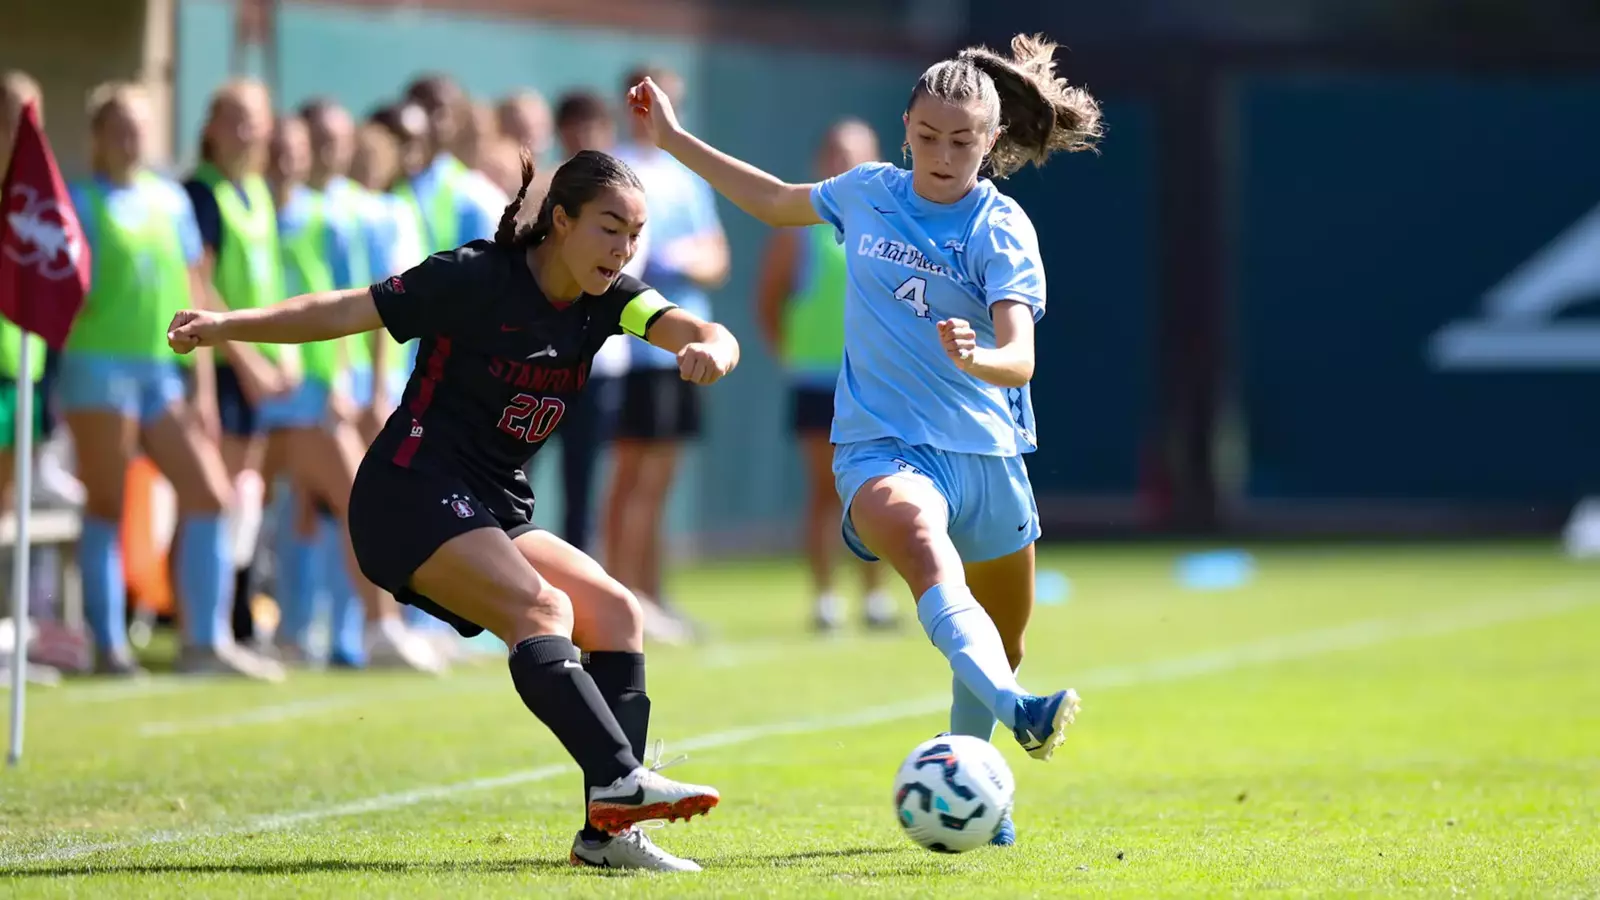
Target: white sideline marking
(1549, 602)
(261, 714)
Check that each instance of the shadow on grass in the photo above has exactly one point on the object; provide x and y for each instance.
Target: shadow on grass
(763, 860)
(291, 867)
(471, 867)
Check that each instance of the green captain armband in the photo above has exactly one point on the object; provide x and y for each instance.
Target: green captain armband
(642, 312)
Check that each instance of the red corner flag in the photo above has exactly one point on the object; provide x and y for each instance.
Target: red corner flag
(44, 259)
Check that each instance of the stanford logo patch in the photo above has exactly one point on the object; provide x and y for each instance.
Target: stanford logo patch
(396, 285)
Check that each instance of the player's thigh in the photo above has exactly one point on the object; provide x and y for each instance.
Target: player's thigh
(103, 440)
(321, 465)
(424, 537)
(188, 459)
(897, 508)
(605, 614)
(481, 576)
(1004, 588)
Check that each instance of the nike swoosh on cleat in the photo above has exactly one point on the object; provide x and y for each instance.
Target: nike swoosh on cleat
(633, 799)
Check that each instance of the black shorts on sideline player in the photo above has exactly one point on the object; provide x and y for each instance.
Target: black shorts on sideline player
(657, 405)
(234, 410)
(434, 508)
(812, 409)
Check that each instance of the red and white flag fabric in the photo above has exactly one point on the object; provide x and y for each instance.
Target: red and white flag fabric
(44, 259)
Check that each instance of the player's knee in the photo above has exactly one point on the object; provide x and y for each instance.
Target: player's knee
(542, 609)
(620, 616)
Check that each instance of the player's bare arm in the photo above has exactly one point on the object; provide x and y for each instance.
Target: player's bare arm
(1009, 363)
(298, 320)
(765, 196)
(706, 350)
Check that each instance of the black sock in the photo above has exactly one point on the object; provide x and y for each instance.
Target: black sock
(620, 677)
(557, 690)
(244, 621)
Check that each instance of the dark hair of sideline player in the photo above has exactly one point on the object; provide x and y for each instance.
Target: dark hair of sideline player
(578, 181)
(1036, 112)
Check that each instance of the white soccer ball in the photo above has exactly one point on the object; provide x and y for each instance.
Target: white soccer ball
(952, 793)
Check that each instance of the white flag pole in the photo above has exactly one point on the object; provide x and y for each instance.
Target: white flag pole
(20, 557)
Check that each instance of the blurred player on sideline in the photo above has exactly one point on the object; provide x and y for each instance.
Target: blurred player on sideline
(441, 514)
(932, 412)
(658, 413)
(584, 122)
(800, 306)
(123, 393)
(322, 252)
(238, 236)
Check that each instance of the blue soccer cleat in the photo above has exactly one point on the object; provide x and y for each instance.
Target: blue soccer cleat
(1042, 722)
(1005, 835)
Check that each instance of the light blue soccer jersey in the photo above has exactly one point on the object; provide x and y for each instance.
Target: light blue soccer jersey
(132, 204)
(681, 206)
(293, 217)
(912, 263)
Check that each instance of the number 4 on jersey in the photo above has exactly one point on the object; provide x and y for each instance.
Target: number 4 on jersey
(912, 292)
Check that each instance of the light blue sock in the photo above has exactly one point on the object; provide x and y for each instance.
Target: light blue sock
(105, 593)
(968, 715)
(966, 636)
(298, 583)
(347, 619)
(205, 579)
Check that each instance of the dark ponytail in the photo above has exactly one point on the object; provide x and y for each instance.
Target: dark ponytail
(506, 234)
(1036, 112)
(578, 181)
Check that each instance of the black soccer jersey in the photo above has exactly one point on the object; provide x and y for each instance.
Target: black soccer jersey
(496, 365)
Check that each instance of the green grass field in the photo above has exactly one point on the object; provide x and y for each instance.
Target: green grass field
(1358, 721)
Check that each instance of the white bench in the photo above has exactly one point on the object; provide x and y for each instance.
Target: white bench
(59, 528)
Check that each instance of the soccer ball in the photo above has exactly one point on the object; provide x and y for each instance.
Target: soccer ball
(952, 793)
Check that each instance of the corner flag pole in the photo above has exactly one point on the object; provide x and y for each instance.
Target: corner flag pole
(21, 555)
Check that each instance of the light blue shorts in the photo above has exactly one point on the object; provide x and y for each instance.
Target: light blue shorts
(140, 389)
(304, 407)
(361, 386)
(989, 499)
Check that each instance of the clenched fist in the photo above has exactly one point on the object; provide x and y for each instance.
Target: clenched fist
(193, 328)
(959, 341)
(704, 363)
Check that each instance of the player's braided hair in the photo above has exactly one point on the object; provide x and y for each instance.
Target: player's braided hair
(577, 182)
(1036, 112)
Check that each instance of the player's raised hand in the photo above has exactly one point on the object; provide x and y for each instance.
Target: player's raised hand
(649, 103)
(959, 341)
(704, 363)
(193, 328)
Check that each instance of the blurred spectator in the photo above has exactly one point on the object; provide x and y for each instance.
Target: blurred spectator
(524, 119)
(501, 163)
(800, 301)
(659, 411)
(238, 233)
(122, 390)
(320, 253)
(584, 122)
(476, 144)
(452, 211)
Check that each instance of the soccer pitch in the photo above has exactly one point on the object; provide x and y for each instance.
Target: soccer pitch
(1359, 720)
